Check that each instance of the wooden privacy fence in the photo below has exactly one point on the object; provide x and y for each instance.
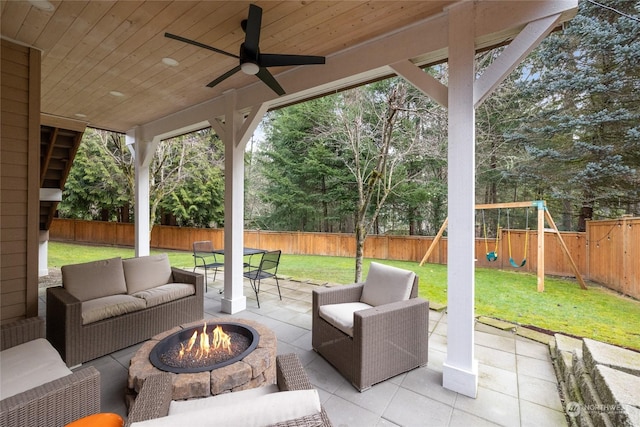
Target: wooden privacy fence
(608, 252)
(613, 254)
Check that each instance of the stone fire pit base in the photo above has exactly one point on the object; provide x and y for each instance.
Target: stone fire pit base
(256, 369)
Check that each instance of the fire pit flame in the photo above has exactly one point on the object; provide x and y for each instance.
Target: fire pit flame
(218, 340)
(198, 349)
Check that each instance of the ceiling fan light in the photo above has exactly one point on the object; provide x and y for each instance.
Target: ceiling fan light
(249, 68)
(43, 5)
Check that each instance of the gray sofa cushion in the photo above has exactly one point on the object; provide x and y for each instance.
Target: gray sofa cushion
(146, 272)
(165, 293)
(111, 306)
(95, 279)
(386, 284)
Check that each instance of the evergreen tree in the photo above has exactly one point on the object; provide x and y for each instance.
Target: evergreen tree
(303, 179)
(192, 186)
(186, 180)
(100, 182)
(582, 133)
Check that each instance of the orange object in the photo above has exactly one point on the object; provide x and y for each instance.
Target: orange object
(99, 420)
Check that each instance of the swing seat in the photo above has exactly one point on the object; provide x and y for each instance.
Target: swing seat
(515, 264)
(492, 256)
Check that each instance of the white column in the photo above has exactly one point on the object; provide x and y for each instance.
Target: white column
(460, 370)
(43, 253)
(235, 132)
(142, 153)
(234, 299)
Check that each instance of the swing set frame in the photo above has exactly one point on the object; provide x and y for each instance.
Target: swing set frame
(543, 214)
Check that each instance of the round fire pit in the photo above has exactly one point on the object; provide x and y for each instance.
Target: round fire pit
(253, 368)
(201, 348)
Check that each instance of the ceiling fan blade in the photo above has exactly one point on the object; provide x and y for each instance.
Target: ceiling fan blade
(275, 60)
(224, 76)
(254, 21)
(270, 81)
(202, 45)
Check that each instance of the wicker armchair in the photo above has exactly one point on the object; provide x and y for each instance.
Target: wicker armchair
(382, 339)
(155, 395)
(55, 403)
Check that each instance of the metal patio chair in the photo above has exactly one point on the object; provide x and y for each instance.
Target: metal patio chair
(268, 267)
(205, 257)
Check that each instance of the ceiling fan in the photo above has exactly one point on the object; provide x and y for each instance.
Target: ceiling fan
(252, 61)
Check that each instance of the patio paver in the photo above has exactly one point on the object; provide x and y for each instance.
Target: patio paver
(516, 386)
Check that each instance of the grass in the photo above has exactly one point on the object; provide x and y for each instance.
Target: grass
(596, 313)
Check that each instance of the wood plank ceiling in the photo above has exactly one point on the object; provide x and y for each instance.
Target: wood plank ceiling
(102, 60)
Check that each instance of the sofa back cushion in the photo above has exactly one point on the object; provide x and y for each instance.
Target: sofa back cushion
(146, 272)
(95, 279)
(386, 284)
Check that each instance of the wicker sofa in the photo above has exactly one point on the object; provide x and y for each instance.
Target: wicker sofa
(153, 405)
(374, 330)
(51, 396)
(104, 306)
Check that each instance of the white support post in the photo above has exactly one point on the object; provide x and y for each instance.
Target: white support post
(460, 370)
(235, 132)
(43, 253)
(142, 152)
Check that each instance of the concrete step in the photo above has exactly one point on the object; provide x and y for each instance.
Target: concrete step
(621, 359)
(590, 399)
(600, 383)
(616, 376)
(562, 350)
(620, 394)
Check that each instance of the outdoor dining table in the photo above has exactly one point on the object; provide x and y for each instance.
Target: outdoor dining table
(250, 252)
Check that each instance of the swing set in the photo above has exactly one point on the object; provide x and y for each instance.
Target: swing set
(543, 214)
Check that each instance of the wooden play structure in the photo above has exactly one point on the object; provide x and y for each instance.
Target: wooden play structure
(543, 214)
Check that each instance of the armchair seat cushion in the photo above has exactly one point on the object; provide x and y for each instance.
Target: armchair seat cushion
(29, 365)
(386, 284)
(341, 315)
(263, 410)
(165, 293)
(111, 306)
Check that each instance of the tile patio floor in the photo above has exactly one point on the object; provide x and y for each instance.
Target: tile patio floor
(517, 383)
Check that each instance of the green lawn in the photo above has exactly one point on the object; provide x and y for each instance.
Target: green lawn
(596, 313)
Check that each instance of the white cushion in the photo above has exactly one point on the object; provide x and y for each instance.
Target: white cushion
(341, 315)
(106, 307)
(146, 272)
(29, 365)
(220, 400)
(95, 279)
(264, 410)
(386, 284)
(165, 293)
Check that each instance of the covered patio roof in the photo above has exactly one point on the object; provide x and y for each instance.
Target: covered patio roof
(102, 62)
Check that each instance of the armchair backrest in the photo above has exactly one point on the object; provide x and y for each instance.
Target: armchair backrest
(204, 246)
(270, 261)
(386, 284)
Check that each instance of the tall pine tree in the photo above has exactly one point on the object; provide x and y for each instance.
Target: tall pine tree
(582, 133)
